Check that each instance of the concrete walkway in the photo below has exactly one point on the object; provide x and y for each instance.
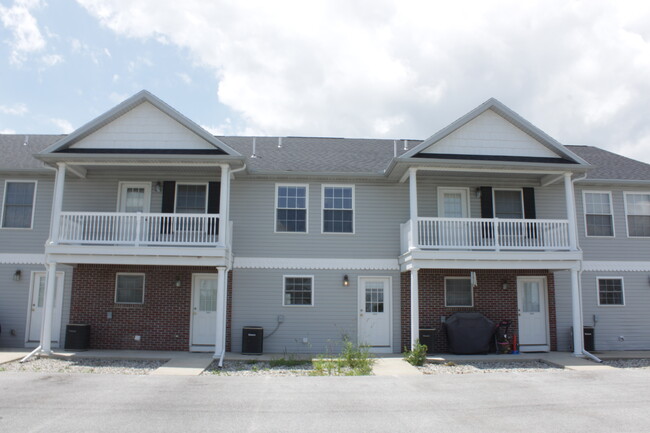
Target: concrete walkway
(10, 355)
(561, 359)
(392, 366)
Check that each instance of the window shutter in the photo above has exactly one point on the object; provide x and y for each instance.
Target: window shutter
(168, 201)
(529, 204)
(214, 198)
(487, 208)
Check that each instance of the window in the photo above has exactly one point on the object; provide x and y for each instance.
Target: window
(598, 214)
(508, 203)
(291, 208)
(298, 290)
(338, 209)
(637, 209)
(610, 291)
(129, 289)
(18, 209)
(458, 292)
(191, 198)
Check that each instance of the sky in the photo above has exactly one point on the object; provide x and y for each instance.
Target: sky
(399, 69)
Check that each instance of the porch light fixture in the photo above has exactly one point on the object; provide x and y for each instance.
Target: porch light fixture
(157, 187)
(178, 281)
(473, 280)
(17, 275)
(504, 284)
(477, 192)
(346, 281)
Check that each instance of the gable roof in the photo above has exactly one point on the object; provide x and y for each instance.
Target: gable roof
(512, 117)
(18, 151)
(127, 105)
(611, 166)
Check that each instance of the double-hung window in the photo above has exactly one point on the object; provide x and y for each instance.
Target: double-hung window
(610, 291)
(298, 290)
(291, 208)
(338, 209)
(129, 288)
(508, 203)
(18, 208)
(598, 213)
(637, 209)
(191, 198)
(458, 292)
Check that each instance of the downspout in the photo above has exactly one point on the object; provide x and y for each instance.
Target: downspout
(584, 352)
(32, 353)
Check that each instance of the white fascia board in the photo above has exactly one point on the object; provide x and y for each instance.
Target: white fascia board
(602, 266)
(72, 259)
(490, 260)
(22, 259)
(131, 251)
(315, 263)
(587, 181)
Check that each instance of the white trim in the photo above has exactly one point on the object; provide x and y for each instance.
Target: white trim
(314, 263)
(609, 266)
(322, 208)
(440, 192)
(627, 225)
(471, 290)
(4, 198)
(536, 347)
(147, 194)
(494, 201)
(284, 287)
(207, 193)
(22, 259)
(611, 212)
(275, 207)
(57, 313)
(117, 274)
(598, 291)
(389, 297)
(200, 347)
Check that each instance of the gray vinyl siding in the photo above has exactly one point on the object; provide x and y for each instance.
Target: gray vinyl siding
(380, 208)
(29, 241)
(620, 247)
(14, 300)
(257, 301)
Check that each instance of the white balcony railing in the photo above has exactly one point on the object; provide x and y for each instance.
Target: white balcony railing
(490, 234)
(116, 228)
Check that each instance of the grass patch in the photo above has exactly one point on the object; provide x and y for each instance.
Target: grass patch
(353, 361)
(288, 362)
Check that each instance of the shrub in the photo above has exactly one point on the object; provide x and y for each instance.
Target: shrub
(417, 356)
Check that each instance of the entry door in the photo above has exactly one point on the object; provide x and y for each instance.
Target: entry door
(36, 310)
(374, 312)
(204, 312)
(533, 314)
(134, 197)
(453, 203)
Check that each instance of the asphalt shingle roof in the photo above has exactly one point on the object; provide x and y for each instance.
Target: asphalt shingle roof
(611, 166)
(16, 150)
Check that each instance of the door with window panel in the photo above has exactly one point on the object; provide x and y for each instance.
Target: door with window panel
(453, 203)
(134, 198)
(374, 312)
(204, 310)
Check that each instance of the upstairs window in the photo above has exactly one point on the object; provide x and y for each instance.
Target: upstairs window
(18, 209)
(338, 209)
(191, 198)
(637, 209)
(598, 214)
(508, 203)
(291, 208)
(610, 291)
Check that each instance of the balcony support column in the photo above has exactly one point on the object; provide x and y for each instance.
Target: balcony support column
(222, 307)
(570, 211)
(57, 203)
(415, 309)
(576, 312)
(224, 205)
(413, 203)
(46, 326)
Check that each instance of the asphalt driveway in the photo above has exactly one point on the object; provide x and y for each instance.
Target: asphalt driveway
(611, 401)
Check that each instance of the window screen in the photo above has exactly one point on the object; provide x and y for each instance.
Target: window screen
(337, 210)
(19, 203)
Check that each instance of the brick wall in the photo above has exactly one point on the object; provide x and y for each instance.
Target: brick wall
(490, 299)
(162, 322)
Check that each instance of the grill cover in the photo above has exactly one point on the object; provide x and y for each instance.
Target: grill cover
(469, 333)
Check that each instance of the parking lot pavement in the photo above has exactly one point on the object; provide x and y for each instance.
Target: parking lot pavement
(603, 401)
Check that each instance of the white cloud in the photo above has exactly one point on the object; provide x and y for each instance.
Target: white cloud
(184, 77)
(7, 131)
(52, 59)
(26, 36)
(63, 125)
(405, 68)
(16, 109)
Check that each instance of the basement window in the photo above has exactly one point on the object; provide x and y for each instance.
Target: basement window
(129, 288)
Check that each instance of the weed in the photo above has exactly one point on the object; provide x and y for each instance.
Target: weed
(290, 361)
(353, 361)
(417, 356)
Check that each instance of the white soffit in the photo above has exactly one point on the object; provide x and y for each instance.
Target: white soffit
(22, 259)
(143, 127)
(616, 266)
(490, 134)
(306, 263)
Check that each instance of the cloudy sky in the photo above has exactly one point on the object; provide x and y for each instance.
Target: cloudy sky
(579, 70)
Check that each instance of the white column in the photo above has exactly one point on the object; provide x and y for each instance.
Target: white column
(415, 308)
(570, 211)
(224, 205)
(576, 312)
(57, 203)
(413, 201)
(46, 329)
(222, 306)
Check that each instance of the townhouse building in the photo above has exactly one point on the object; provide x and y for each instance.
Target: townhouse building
(161, 236)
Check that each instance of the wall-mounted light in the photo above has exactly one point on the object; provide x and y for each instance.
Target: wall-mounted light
(477, 192)
(157, 187)
(17, 275)
(346, 281)
(178, 281)
(473, 280)
(504, 284)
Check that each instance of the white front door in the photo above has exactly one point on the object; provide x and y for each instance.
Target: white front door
(134, 197)
(36, 310)
(204, 312)
(453, 203)
(533, 314)
(374, 313)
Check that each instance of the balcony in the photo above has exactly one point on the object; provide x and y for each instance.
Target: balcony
(486, 234)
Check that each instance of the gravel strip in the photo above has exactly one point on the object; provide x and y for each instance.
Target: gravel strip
(257, 368)
(628, 363)
(84, 365)
(488, 367)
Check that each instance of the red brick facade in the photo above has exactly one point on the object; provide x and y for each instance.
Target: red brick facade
(162, 321)
(490, 299)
